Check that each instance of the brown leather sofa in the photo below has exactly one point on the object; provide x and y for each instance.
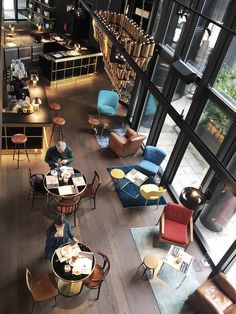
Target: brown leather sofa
(215, 296)
(126, 145)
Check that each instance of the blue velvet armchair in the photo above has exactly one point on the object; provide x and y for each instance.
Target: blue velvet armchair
(107, 102)
(153, 157)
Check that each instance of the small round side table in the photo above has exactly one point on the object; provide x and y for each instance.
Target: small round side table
(94, 123)
(116, 175)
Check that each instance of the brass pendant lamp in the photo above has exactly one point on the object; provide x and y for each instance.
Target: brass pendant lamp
(135, 41)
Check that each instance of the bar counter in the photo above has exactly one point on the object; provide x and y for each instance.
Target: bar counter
(33, 125)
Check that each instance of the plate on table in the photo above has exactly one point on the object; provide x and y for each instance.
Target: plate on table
(73, 261)
(76, 271)
(64, 168)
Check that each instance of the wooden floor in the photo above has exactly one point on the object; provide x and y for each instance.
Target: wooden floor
(23, 232)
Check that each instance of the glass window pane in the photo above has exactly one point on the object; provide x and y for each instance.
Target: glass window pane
(203, 42)
(217, 222)
(160, 73)
(175, 28)
(22, 11)
(167, 139)
(148, 115)
(225, 82)
(191, 171)
(182, 97)
(213, 126)
(9, 12)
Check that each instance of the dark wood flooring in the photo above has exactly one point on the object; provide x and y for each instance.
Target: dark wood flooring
(23, 231)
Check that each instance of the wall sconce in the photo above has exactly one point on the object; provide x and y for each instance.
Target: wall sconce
(34, 78)
(12, 27)
(36, 102)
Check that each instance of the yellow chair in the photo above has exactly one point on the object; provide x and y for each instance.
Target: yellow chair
(152, 192)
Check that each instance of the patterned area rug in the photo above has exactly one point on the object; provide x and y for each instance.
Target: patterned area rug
(132, 189)
(103, 140)
(164, 285)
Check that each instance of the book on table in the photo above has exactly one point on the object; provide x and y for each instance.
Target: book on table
(52, 182)
(136, 177)
(78, 179)
(67, 189)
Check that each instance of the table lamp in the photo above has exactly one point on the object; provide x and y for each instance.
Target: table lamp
(36, 102)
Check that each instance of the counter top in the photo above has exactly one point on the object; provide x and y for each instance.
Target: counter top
(40, 118)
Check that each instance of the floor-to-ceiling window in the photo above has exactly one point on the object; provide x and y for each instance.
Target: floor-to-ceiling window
(206, 105)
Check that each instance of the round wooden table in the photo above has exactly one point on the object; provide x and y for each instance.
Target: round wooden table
(63, 262)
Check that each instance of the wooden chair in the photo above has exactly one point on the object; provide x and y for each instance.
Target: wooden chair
(174, 224)
(37, 189)
(42, 288)
(95, 280)
(92, 188)
(68, 206)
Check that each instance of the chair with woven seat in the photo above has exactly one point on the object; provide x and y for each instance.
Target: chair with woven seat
(95, 280)
(42, 288)
(153, 157)
(152, 192)
(68, 206)
(37, 189)
(58, 123)
(126, 145)
(108, 102)
(91, 189)
(176, 225)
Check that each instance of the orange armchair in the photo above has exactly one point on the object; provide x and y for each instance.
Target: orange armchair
(126, 145)
(176, 225)
(215, 296)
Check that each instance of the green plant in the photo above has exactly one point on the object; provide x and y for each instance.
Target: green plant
(226, 81)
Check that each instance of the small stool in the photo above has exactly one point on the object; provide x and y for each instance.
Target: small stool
(149, 262)
(116, 175)
(55, 107)
(19, 139)
(58, 122)
(94, 123)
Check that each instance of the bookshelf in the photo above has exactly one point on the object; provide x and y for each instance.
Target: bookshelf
(42, 14)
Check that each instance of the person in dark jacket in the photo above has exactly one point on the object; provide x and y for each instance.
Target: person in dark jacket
(58, 233)
(59, 155)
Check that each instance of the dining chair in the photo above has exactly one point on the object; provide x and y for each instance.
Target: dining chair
(95, 280)
(42, 288)
(176, 225)
(68, 206)
(91, 189)
(153, 157)
(152, 192)
(37, 189)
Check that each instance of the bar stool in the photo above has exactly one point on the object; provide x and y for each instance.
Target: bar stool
(55, 107)
(150, 262)
(58, 122)
(19, 139)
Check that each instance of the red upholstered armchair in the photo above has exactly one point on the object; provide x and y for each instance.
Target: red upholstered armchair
(126, 145)
(176, 225)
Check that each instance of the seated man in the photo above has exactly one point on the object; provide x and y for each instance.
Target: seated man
(59, 155)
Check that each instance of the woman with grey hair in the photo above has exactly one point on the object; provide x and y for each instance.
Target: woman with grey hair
(59, 155)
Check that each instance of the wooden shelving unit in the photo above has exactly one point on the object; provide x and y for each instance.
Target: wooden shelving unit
(42, 13)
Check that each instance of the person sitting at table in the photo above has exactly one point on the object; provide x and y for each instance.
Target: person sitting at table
(58, 233)
(59, 155)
